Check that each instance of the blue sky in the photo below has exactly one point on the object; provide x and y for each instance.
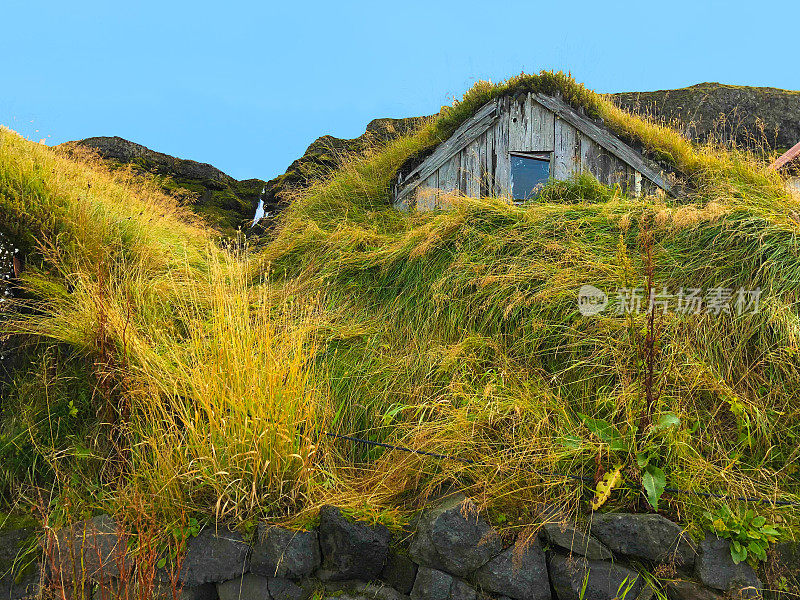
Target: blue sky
(246, 86)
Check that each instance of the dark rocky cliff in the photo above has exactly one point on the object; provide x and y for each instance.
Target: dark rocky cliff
(759, 117)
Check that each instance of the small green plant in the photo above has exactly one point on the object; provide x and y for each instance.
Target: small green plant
(654, 480)
(750, 535)
(743, 422)
(584, 585)
(180, 535)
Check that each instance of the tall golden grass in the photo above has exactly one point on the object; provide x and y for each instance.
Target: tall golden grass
(203, 372)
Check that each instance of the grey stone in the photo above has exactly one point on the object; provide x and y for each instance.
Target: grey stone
(247, 587)
(399, 572)
(28, 587)
(681, 589)
(361, 590)
(350, 550)
(461, 590)
(90, 549)
(18, 578)
(651, 537)
(85, 591)
(282, 552)
(647, 593)
(206, 591)
(160, 590)
(519, 574)
(214, 557)
(716, 569)
(605, 581)
(370, 591)
(283, 589)
(788, 553)
(576, 541)
(784, 564)
(432, 584)
(454, 538)
(370, 594)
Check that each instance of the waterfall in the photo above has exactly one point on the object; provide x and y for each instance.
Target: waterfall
(260, 214)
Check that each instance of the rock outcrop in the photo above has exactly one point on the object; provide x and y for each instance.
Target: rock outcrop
(747, 115)
(326, 152)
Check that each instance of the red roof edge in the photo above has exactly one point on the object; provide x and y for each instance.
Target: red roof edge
(786, 158)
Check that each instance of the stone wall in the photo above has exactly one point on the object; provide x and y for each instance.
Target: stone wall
(451, 553)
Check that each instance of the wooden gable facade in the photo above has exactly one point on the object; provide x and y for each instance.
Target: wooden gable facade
(481, 157)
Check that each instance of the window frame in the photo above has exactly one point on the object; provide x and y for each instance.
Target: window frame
(543, 156)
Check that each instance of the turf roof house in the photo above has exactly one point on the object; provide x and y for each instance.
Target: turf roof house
(789, 165)
(512, 145)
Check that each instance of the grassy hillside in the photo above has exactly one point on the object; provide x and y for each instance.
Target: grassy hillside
(222, 201)
(204, 378)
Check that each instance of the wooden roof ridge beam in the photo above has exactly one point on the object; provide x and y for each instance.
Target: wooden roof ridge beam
(604, 138)
(467, 132)
(785, 158)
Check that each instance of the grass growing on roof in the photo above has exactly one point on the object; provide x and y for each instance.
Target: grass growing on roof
(458, 332)
(453, 332)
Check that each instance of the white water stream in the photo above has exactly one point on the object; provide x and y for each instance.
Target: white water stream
(260, 213)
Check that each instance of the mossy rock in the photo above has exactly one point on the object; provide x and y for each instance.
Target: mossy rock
(750, 116)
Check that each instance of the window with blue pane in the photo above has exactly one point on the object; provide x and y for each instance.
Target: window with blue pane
(528, 175)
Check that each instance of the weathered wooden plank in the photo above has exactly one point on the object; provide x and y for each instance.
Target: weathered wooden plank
(602, 164)
(631, 187)
(588, 154)
(518, 121)
(566, 156)
(448, 174)
(427, 193)
(472, 171)
(463, 171)
(619, 173)
(502, 169)
(604, 138)
(485, 156)
(463, 136)
(650, 189)
(491, 162)
(542, 127)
